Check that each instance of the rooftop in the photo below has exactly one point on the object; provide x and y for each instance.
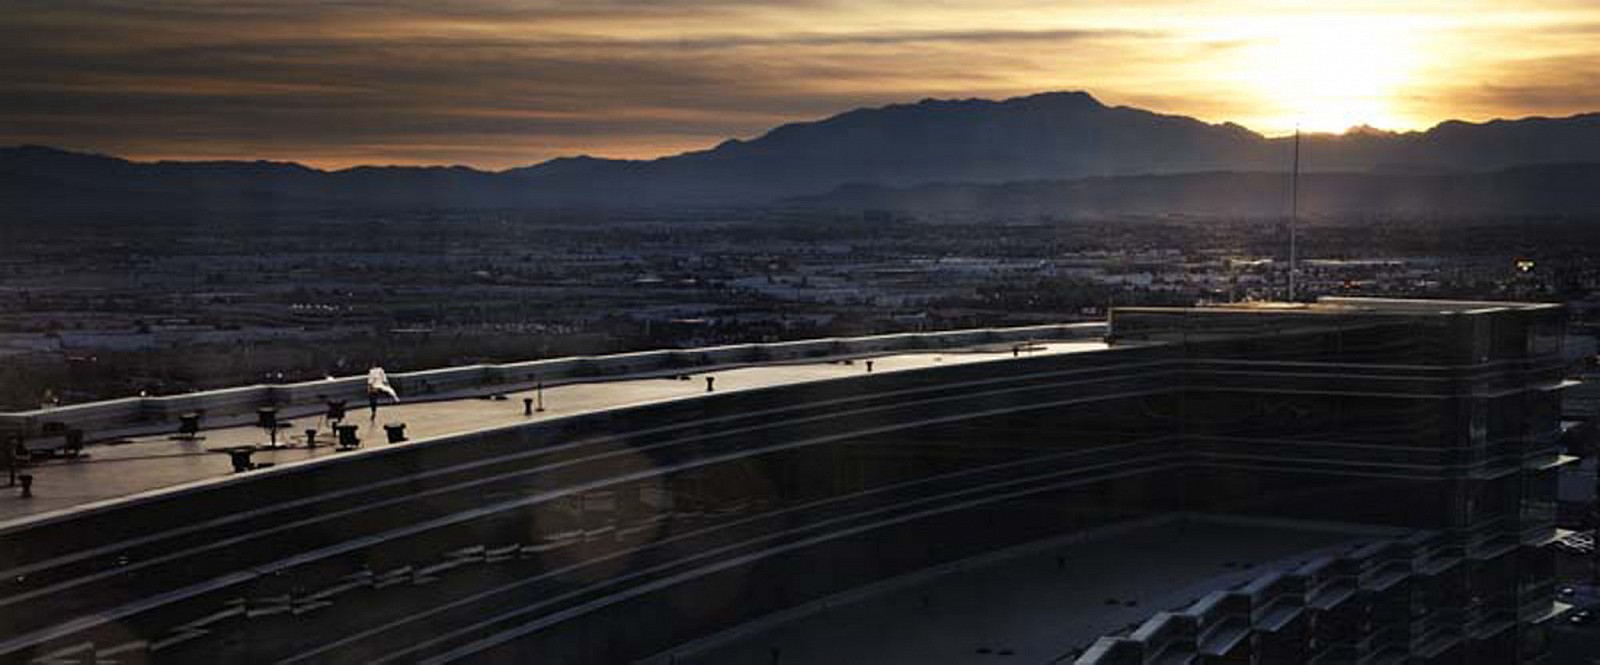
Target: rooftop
(150, 461)
(1356, 305)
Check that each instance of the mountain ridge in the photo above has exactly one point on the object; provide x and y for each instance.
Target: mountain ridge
(1048, 136)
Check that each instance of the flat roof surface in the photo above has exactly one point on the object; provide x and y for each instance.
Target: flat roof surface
(1353, 305)
(156, 461)
(1036, 603)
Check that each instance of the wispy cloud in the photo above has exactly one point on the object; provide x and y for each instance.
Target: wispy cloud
(500, 82)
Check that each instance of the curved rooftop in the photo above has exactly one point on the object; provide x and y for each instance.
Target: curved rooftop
(1232, 480)
(131, 453)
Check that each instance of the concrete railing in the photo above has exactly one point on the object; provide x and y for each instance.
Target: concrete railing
(111, 418)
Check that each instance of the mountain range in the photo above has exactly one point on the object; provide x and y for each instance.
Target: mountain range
(1039, 146)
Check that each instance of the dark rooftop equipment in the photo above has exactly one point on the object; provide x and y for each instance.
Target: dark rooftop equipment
(335, 411)
(347, 437)
(189, 426)
(239, 456)
(395, 431)
(267, 419)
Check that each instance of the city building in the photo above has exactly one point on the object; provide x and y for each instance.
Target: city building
(1355, 480)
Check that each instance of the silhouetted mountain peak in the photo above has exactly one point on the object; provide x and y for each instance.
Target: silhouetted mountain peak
(25, 154)
(564, 166)
(1367, 130)
(34, 150)
(238, 167)
(1076, 99)
(1046, 136)
(457, 169)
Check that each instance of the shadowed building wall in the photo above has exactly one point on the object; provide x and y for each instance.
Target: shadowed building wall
(617, 535)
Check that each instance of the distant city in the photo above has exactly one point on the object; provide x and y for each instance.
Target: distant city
(173, 305)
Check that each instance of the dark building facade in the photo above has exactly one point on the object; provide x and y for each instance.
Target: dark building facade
(615, 536)
(1437, 417)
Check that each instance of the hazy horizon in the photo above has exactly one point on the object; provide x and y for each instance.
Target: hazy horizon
(512, 166)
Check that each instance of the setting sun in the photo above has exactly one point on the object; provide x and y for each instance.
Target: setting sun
(1327, 74)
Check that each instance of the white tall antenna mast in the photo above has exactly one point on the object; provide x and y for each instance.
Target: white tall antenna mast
(1294, 216)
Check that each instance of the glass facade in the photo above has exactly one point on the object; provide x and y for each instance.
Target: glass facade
(1440, 417)
(615, 536)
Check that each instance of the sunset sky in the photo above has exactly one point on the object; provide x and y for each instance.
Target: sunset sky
(499, 83)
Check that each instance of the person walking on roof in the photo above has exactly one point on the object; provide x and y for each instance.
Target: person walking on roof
(378, 384)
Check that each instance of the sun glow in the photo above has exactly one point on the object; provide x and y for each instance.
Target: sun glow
(504, 83)
(1330, 73)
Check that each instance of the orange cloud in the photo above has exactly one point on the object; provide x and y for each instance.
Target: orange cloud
(499, 83)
